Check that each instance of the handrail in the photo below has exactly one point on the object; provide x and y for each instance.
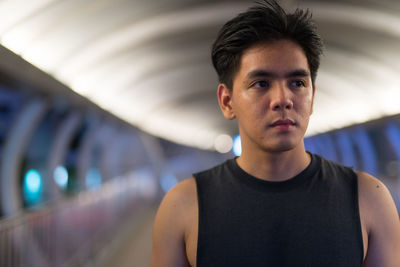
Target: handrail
(73, 231)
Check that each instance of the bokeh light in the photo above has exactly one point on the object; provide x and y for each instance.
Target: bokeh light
(93, 179)
(168, 181)
(223, 143)
(61, 176)
(237, 146)
(32, 186)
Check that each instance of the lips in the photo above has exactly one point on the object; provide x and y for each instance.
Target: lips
(286, 122)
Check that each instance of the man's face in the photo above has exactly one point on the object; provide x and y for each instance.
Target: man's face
(272, 96)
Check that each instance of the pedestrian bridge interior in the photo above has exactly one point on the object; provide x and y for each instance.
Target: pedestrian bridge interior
(105, 105)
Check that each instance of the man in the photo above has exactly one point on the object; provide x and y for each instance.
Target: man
(276, 204)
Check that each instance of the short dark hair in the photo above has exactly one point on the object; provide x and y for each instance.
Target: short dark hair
(265, 22)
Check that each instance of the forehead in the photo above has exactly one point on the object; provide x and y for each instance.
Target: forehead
(277, 57)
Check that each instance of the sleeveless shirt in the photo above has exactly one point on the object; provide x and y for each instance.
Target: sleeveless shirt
(309, 220)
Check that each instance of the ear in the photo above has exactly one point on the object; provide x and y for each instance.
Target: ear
(225, 101)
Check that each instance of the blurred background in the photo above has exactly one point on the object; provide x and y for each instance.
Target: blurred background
(105, 105)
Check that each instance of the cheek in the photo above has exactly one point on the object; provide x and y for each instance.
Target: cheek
(309, 106)
(306, 104)
(247, 107)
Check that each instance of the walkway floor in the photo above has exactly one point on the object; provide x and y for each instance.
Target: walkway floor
(135, 251)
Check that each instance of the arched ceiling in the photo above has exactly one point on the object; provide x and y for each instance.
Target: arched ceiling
(148, 62)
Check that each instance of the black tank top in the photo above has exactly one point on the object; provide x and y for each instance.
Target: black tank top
(309, 220)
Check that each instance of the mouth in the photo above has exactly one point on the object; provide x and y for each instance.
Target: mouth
(288, 122)
(283, 124)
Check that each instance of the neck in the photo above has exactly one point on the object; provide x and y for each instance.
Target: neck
(275, 166)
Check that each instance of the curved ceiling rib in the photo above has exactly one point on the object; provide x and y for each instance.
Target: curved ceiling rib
(139, 33)
(149, 61)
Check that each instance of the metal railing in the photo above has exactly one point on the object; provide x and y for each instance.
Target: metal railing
(73, 231)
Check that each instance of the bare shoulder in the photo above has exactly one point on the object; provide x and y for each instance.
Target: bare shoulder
(180, 195)
(170, 225)
(381, 220)
(375, 195)
(179, 201)
(376, 199)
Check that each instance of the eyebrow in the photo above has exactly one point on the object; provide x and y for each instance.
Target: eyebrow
(263, 73)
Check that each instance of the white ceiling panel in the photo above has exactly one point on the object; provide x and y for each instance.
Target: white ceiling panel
(148, 62)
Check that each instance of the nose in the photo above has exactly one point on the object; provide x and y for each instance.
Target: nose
(281, 98)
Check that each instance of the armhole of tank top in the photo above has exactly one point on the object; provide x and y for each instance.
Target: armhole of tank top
(359, 224)
(198, 218)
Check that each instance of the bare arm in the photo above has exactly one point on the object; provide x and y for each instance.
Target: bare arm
(169, 228)
(382, 223)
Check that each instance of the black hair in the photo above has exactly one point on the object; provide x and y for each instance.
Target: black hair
(265, 22)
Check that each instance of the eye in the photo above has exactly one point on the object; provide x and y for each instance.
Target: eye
(261, 84)
(297, 83)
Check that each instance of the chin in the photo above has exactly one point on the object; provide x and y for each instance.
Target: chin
(288, 142)
(280, 148)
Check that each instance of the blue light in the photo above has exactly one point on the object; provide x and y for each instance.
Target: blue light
(61, 176)
(309, 144)
(93, 179)
(237, 146)
(168, 181)
(366, 148)
(346, 149)
(393, 135)
(32, 186)
(327, 147)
